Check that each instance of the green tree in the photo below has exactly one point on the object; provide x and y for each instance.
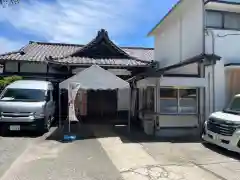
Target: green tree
(8, 80)
(5, 3)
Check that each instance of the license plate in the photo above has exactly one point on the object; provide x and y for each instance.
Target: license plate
(14, 128)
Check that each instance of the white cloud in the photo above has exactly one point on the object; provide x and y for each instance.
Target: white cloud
(7, 45)
(74, 21)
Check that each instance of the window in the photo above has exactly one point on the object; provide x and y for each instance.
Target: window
(148, 99)
(178, 101)
(214, 19)
(168, 101)
(187, 100)
(232, 21)
(221, 19)
(33, 95)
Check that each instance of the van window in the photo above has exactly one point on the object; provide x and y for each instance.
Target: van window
(33, 95)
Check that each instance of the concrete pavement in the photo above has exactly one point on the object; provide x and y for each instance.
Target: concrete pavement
(220, 163)
(102, 152)
(12, 146)
(82, 159)
(135, 161)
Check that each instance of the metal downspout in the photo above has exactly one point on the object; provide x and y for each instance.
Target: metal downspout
(157, 104)
(213, 68)
(204, 29)
(202, 69)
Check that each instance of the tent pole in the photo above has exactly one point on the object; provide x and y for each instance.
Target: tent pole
(69, 104)
(59, 107)
(129, 112)
(117, 103)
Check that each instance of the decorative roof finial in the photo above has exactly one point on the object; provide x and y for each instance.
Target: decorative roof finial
(102, 32)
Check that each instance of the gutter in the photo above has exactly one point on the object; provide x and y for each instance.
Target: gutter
(222, 2)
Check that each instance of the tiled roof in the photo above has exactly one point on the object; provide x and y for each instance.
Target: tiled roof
(39, 51)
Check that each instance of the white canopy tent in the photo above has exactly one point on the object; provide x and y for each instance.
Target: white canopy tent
(92, 78)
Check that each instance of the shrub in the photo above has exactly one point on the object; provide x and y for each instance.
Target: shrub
(8, 80)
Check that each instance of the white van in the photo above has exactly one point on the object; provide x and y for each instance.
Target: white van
(27, 105)
(223, 127)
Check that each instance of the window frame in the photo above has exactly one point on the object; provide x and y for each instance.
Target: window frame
(145, 99)
(223, 13)
(222, 19)
(178, 101)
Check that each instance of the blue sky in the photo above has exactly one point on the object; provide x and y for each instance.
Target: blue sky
(77, 21)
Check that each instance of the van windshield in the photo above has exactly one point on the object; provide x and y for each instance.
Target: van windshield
(235, 104)
(32, 95)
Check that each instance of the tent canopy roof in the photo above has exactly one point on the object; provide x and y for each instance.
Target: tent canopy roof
(95, 78)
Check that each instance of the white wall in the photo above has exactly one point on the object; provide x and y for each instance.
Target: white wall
(183, 82)
(178, 121)
(11, 67)
(220, 87)
(33, 67)
(29, 67)
(226, 45)
(181, 35)
(170, 126)
(188, 69)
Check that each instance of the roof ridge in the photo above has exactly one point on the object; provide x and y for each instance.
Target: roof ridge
(52, 43)
(81, 45)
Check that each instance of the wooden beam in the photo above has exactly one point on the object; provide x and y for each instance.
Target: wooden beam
(4, 67)
(19, 67)
(47, 72)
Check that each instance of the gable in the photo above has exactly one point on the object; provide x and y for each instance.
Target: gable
(101, 47)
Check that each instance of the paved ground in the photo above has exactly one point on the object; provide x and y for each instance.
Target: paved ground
(12, 146)
(207, 158)
(53, 159)
(108, 153)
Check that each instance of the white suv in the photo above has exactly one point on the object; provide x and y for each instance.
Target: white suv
(223, 128)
